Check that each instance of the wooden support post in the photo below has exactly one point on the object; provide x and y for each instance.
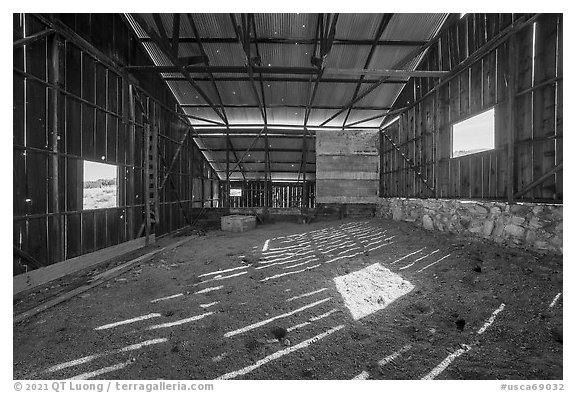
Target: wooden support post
(304, 208)
(56, 227)
(268, 193)
(436, 142)
(381, 168)
(266, 184)
(511, 108)
(130, 153)
(147, 177)
(153, 180)
(227, 196)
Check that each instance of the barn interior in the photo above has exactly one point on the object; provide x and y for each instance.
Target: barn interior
(288, 196)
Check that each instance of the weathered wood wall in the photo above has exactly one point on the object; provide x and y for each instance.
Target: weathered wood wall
(347, 166)
(477, 51)
(283, 195)
(94, 119)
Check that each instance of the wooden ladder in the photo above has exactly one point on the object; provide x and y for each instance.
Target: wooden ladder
(151, 177)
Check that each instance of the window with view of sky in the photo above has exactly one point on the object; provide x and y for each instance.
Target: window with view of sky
(473, 135)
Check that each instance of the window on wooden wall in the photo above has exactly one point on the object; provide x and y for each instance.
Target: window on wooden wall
(100, 185)
(473, 135)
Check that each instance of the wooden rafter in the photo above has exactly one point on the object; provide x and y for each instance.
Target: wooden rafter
(243, 33)
(161, 42)
(398, 65)
(381, 27)
(214, 85)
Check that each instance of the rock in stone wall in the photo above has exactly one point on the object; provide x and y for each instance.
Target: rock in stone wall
(534, 226)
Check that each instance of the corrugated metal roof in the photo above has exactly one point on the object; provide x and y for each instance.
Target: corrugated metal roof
(292, 55)
(216, 25)
(348, 56)
(137, 29)
(361, 114)
(221, 54)
(285, 115)
(386, 57)
(334, 94)
(157, 56)
(286, 93)
(185, 93)
(318, 116)
(149, 19)
(416, 27)
(237, 93)
(244, 115)
(171, 75)
(357, 26)
(203, 113)
(188, 49)
(286, 167)
(285, 25)
(382, 96)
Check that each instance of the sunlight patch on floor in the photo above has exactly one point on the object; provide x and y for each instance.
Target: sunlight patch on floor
(371, 289)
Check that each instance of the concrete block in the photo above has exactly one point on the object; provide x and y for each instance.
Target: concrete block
(237, 223)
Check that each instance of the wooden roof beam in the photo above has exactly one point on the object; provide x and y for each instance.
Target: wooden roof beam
(398, 65)
(381, 27)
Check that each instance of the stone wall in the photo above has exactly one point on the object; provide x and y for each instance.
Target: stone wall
(534, 226)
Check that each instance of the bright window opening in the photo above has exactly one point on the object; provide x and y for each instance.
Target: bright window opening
(473, 135)
(100, 185)
(235, 192)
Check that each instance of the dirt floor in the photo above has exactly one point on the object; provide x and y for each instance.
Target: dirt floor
(364, 299)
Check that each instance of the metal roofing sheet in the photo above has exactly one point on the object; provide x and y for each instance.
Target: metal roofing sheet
(286, 55)
(285, 143)
(415, 27)
(237, 93)
(334, 94)
(387, 56)
(224, 54)
(286, 167)
(382, 96)
(157, 56)
(348, 56)
(286, 115)
(137, 29)
(216, 144)
(243, 144)
(205, 113)
(216, 25)
(357, 26)
(318, 116)
(244, 115)
(285, 25)
(361, 114)
(188, 49)
(171, 75)
(149, 19)
(184, 92)
(286, 93)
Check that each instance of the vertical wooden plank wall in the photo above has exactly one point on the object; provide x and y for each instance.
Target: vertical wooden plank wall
(96, 120)
(423, 131)
(284, 195)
